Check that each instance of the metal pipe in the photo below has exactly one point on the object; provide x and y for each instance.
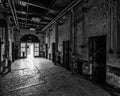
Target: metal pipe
(23, 18)
(15, 13)
(36, 6)
(12, 12)
(40, 6)
(22, 14)
(68, 8)
(27, 14)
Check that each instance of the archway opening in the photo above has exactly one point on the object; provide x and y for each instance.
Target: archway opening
(29, 46)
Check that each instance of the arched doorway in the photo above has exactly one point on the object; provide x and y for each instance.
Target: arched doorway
(29, 46)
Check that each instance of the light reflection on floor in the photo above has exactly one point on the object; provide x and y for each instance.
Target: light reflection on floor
(30, 50)
(50, 80)
(30, 58)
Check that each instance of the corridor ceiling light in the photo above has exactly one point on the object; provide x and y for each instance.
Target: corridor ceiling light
(36, 20)
(23, 12)
(23, 18)
(32, 29)
(23, 3)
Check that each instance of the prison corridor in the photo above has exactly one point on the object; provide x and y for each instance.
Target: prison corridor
(40, 77)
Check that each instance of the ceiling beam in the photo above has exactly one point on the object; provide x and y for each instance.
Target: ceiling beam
(23, 12)
(44, 22)
(39, 5)
(23, 18)
(30, 24)
(35, 14)
(30, 20)
(62, 13)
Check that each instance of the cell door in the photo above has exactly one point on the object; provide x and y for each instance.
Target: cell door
(13, 51)
(46, 51)
(53, 53)
(97, 57)
(0, 51)
(66, 63)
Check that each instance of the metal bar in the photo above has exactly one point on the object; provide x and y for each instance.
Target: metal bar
(15, 12)
(51, 5)
(27, 12)
(68, 8)
(36, 4)
(20, 11)
(23, 18)
(28, 24)
(34, 13)
(23, 12)
(12, 13)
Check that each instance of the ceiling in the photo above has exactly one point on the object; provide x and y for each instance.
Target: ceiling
(34, 13)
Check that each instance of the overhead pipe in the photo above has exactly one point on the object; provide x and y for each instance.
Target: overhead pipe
(46, 13)
(12, 13)
(15, 13)
(27, 14)
(51, 5)
(38, 6)
(23, 12)
(68, 8)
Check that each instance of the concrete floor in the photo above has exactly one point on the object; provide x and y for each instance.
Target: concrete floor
(40, 77)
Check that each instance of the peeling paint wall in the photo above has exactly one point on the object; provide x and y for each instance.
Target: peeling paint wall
(92, 18)
(63, 32)
(63, 29)
(50, 38)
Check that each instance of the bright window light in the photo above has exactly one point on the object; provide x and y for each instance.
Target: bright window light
(30, 50)
(32, 29)
(37, 20)
(23, 3)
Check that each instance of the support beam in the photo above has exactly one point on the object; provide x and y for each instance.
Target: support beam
(23, 12)
(67, 9)
(39, 5)
(43, 22)
(16, 23)
(23, 18)
(35, 14)
(27, 24)
(42, 25)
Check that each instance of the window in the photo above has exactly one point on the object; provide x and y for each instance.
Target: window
(23, 50)
(36, 49)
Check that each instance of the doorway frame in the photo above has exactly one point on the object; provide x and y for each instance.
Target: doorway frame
(91, 58)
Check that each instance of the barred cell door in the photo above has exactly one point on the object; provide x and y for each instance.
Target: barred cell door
(66, 63)
(0, 52)
(46, 51)
(53, 53)
(97, 57)
(13, 51)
